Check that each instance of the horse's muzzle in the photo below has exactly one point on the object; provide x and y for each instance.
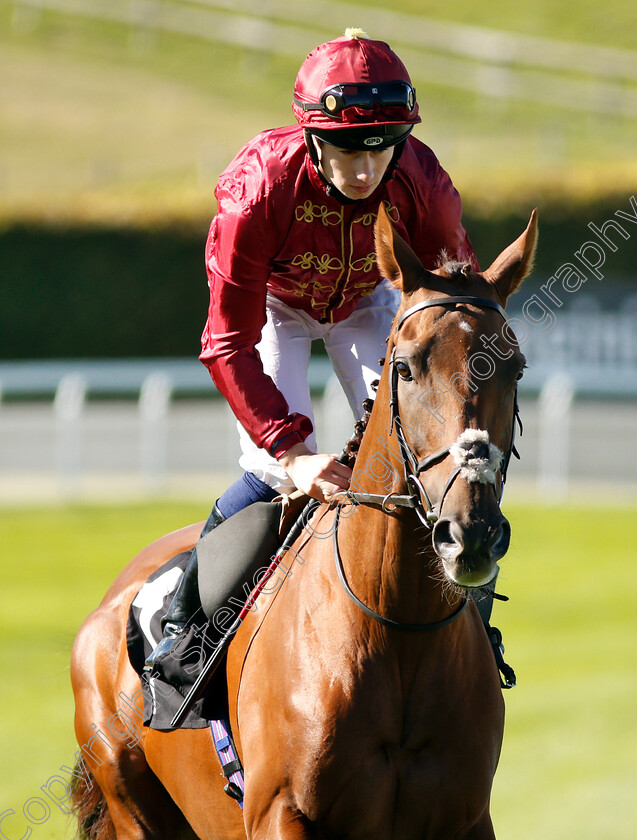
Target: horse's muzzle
(470, 551)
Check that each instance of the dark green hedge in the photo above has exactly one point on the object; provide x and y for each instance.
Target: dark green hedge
(73, 292)
(109, 292)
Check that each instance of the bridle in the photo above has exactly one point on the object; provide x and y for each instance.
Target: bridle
(427, 513)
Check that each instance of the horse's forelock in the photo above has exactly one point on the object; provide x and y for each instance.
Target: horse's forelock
(454, 269)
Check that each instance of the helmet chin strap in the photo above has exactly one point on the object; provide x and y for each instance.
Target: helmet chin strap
(399, 148)
(311, 144)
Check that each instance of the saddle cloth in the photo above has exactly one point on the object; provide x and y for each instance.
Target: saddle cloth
(232, 558)
(162, 699)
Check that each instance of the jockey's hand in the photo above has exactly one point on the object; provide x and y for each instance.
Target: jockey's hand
(319, 476)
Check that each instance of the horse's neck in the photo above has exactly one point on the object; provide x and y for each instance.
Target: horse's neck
(388, 558)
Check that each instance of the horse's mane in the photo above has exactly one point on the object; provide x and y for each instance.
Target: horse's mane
(350, 450)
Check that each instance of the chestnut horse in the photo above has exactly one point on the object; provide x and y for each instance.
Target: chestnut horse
(364, 697)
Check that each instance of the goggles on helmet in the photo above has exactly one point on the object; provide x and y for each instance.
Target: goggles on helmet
(366, 97)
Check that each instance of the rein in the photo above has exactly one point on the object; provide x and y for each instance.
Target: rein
(386, 622)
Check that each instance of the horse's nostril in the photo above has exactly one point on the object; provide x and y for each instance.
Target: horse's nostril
(501, 538)
(446, 543)
(471, 543)
(481, 450)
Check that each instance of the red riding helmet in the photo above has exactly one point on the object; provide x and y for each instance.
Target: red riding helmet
(355, 93)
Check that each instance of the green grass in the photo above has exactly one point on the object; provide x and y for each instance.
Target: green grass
(568, 765)
(588, 21)
(98, 125)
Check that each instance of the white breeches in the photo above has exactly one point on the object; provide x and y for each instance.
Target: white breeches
(354, 346)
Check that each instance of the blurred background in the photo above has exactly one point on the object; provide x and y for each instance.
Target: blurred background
(116, 119)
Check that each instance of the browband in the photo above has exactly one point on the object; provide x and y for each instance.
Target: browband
(450, 301)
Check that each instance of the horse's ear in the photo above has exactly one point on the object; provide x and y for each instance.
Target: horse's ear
(514, 263)
(396, 260)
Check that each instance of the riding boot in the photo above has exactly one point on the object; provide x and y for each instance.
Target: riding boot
(185, 602)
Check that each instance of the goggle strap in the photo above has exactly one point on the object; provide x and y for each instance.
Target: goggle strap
(309, 106)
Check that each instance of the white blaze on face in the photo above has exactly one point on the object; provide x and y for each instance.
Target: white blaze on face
(474, 467)
(464, 326)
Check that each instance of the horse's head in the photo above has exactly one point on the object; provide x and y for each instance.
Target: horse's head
(453, 366)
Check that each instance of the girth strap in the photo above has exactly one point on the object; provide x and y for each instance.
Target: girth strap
(231, 766)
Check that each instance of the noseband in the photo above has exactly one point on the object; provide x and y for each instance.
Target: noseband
(429, 513)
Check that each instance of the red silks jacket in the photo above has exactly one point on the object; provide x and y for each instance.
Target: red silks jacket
(277, 230)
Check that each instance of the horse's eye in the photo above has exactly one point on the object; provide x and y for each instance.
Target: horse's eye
(520, 375)
(403, 371)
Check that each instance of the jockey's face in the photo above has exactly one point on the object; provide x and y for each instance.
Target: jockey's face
(355, 173)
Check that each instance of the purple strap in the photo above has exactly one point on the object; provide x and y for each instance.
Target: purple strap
(230, 762)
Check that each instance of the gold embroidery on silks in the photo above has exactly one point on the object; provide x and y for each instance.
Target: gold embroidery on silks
(364, 263)
(369, 218)
(319, 306)
(308, 212)
(322, 264)
(392, 211)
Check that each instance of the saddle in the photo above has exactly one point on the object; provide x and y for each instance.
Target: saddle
(232, 559)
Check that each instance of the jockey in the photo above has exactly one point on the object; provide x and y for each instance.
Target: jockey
(290, 258)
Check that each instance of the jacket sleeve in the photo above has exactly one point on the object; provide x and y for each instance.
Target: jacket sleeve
(238, 264)
(442, 229)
